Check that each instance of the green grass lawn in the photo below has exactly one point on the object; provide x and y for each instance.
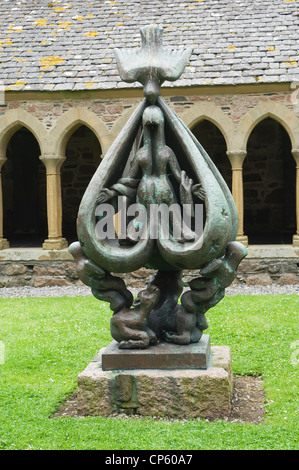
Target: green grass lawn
(49, 341)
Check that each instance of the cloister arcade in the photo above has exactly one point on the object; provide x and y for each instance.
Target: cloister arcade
(45, 172)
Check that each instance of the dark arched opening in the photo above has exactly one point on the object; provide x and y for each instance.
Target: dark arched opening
(83, 155)
(24, 191)
(212, 140)
(269, 175)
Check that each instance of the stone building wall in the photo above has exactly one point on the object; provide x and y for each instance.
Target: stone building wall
(109, 110)
(48, 112)
(60, 126)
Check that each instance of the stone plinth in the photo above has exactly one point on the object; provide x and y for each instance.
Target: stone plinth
(180, 393)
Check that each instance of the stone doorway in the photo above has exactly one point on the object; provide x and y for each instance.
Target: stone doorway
(212, 140)
(269, 175)
(83, 155)
(24, 191)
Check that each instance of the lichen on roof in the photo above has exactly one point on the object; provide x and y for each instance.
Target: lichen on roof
(233, 41)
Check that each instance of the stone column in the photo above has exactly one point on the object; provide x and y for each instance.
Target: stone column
(3, 242)
(55, 240)
(295, 153)
(236, 158)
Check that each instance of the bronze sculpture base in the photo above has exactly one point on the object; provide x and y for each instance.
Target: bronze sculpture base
(166, 356)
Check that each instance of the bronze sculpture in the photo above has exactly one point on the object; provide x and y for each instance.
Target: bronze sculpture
(169, 171)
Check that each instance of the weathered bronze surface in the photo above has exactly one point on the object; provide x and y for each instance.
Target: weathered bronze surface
(164, 355)
(157, 162)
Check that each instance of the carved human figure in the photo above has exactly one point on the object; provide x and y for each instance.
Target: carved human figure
(155, 160)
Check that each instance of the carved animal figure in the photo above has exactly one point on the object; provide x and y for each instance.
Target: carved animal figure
(129, 326)
(163, 316)
(205, 292)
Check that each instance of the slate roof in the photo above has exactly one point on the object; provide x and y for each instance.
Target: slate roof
(68, 45)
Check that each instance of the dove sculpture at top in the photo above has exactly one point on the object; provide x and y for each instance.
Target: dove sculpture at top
(151, 64)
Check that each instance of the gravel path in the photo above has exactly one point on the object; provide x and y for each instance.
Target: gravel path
(73, 291)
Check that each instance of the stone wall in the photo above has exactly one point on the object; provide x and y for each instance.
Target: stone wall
(269, 271)
(39, 273)
(110, 110)
(49, 112)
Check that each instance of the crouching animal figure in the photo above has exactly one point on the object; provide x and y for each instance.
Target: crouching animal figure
(129, 325)
(205, 292)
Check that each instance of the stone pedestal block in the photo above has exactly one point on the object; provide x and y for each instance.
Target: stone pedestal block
(179, 393)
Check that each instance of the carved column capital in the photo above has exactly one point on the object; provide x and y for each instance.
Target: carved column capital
(52, 163)
(236, 158)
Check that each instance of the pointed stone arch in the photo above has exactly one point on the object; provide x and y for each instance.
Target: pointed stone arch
(201, 111)
(277, 111)
(13, 120)
(12, 123)
(269, 174)
(83, 156)
(72, 120)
